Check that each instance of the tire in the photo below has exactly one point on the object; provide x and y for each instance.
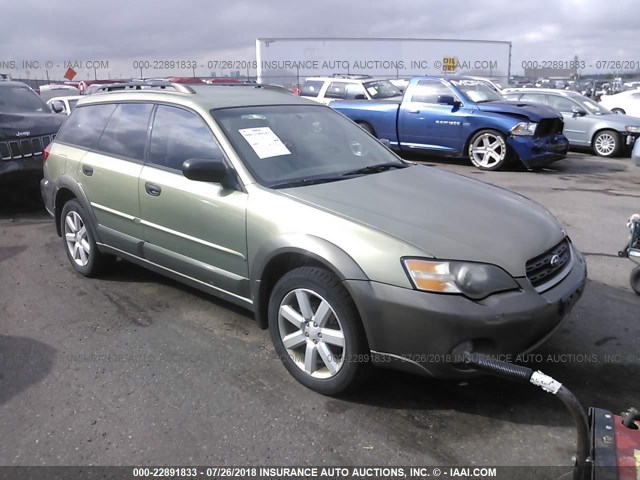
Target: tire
(488, 150)
(367, 128)
(329, 367)
(618, 110)
(606, 143)
(78, 242)
(634, 279)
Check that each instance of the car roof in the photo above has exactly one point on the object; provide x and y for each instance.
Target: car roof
(557, 91)
(346, 80)
(13, 83)
(66, 97)
(213, 96)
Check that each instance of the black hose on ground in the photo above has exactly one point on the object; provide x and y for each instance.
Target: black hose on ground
(498, 368)
(583, 451)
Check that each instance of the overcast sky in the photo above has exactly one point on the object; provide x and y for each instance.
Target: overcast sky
(121, 31)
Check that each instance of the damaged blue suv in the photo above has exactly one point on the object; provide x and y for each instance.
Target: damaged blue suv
(458, 116)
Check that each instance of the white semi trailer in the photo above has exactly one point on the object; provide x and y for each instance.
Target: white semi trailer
(288, 61)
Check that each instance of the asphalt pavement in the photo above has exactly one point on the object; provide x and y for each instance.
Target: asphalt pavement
(135, 369)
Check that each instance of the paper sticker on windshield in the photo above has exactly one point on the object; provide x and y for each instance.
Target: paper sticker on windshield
(372, 91)
(264, 142)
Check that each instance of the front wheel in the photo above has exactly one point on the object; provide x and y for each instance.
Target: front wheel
(488, 150)
(635, 280)
(618, 110)
(607, 143)
(316, 331)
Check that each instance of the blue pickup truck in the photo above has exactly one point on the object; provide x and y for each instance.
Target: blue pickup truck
(460, 116)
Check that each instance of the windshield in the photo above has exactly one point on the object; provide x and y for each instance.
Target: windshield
(477, 91)
(289, 143)
(591, 106)
(382, 89)
(21, 100)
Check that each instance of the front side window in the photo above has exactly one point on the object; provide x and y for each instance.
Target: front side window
(126, 132)
(428, 91)
(561, 104)
(179, 135)
(85, 125)
(533, 98)
(284, 144)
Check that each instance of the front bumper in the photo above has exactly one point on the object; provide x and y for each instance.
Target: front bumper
(21, 169)
(539, 151)
(418, 331)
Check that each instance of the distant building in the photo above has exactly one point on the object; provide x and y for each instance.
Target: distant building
(551, 73)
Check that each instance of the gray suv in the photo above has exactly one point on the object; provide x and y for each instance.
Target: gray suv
(351, 256)
(586, 123)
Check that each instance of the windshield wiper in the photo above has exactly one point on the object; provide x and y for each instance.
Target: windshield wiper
(380, 167)
(307, 181)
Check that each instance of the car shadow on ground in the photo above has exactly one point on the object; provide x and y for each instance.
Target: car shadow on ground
(23, 362)
(21, 201)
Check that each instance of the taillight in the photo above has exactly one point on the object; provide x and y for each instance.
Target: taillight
(45, 153)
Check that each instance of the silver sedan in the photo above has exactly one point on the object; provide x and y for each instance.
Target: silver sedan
(586, 123)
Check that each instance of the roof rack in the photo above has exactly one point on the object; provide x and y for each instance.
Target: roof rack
(146, 84)
(352, 76)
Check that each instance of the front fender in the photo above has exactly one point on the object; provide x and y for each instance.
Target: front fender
(318, 249)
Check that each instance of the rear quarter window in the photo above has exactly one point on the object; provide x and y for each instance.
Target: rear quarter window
(311, 88)
(126, 132)
(85, 125)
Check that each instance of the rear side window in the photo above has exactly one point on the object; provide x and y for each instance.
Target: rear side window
(85, 125)
(179, 135)
(126, 132)
(336, 90)
(311, 88)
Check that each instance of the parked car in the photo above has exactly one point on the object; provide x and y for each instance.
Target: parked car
(462, 116)
(586, 123)
(490, 82)
(47, 92)
(283, 206)
(63, 105)
(627, 102)
(349, 87)
(27, 126)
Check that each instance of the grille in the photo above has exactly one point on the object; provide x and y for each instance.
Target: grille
(24, 148)
(540, 269)
(549, 126)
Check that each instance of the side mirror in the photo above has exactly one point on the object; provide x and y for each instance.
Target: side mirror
(206, 170)
(385, 142)
(447, 100)
(579, 112)
(360, 96)
(57, 107)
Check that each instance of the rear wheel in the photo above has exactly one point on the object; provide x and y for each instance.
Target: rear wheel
(634, 279)
(79, 242)
(607, 143)
(316, 331)
(488, 150)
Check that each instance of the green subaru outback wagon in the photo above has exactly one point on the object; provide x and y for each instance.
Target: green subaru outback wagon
(349, 255)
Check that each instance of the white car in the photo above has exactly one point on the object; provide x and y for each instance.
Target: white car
(349, 87)
(624, 102)
(63, 104)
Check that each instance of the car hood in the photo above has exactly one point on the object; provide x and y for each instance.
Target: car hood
(618, 119)
(446, 215)
(12, 124)
(533, 112)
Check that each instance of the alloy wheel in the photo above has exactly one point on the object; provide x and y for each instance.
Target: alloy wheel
(488, 150)
(75, 234)
(311, 333)
(605, 144)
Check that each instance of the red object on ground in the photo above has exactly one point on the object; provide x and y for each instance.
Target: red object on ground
(627, 450)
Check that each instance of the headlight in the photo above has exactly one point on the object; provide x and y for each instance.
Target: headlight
(474, 280)
(632, 129)
(523, 128)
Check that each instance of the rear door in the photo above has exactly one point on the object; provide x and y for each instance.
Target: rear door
(109, 173)
(197, 229)
(424, 123)
(576, 127)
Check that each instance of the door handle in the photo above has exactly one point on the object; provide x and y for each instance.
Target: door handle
(413, 111)
(152, 189)
(87, 170)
